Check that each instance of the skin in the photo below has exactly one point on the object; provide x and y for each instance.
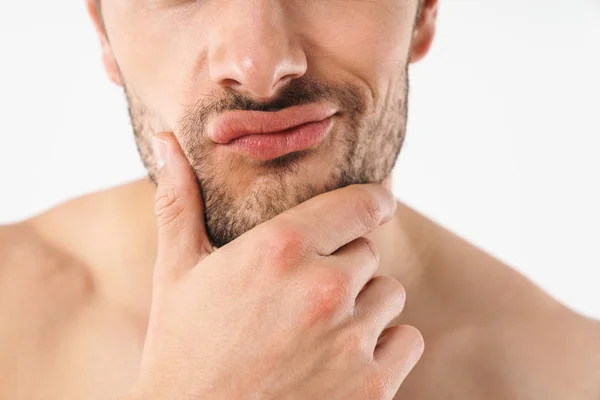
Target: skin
(83, 299)
(280, 62)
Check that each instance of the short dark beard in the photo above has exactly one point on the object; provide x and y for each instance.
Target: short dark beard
(363, 149)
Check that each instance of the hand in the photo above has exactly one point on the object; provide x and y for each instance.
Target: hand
(289, 310)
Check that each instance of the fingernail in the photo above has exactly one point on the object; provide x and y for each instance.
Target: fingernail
(160, 151)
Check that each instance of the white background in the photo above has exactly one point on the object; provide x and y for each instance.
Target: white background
(502, 145)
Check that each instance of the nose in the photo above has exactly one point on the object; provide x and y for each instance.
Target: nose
(254, 51)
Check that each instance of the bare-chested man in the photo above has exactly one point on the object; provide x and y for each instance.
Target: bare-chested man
(265, 257)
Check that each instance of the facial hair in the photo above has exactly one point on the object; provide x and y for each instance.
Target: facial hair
(363, 148)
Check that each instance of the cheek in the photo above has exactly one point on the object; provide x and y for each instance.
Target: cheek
(365, 40)
(155, 56)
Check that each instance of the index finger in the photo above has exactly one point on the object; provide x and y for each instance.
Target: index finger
(334, 219)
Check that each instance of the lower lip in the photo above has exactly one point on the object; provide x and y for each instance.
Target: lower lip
(265, 147)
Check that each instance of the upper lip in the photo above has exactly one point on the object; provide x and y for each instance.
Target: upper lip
(234, 124)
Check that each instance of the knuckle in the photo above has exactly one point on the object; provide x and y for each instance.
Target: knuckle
(284, 244)
(415, 336)
(329, 293)
(399, 293)
(369, 209)
(168, 205)
(393, 292)
(395, 287)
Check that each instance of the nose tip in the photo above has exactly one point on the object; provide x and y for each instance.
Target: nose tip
(258, 54)
(259, 76)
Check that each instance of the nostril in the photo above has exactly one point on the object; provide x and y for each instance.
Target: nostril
(231, 83)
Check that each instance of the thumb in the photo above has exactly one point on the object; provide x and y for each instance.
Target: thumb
(179, 208)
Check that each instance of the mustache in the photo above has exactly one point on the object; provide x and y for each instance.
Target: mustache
(299, 92)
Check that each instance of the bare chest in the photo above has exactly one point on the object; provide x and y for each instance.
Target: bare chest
(98, 359)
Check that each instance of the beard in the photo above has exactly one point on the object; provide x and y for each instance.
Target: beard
(239, 193)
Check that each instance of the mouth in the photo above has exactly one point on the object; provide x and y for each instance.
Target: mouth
(265, 136)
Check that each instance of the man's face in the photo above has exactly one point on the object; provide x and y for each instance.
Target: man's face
(186, 64)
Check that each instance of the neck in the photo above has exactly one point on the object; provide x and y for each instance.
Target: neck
(402, 243)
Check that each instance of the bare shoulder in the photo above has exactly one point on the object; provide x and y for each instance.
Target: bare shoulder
(33, 267)
(555, 355)
(49, 263)
(567, 350)
(40, 287)
(46, 261)
(59, 314)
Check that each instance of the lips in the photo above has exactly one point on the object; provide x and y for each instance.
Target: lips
(267, 135)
